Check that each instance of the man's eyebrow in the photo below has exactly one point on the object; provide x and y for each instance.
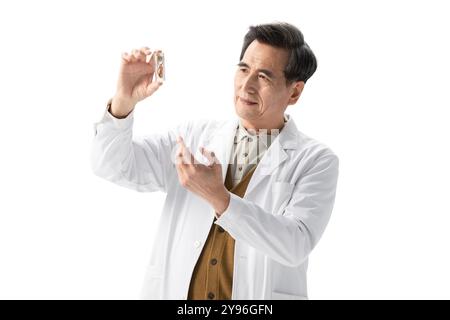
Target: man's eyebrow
(269, 73)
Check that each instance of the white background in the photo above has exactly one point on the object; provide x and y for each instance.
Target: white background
(379, 99)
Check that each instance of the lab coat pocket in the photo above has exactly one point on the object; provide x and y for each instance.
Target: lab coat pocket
(284, 296)
(281, 194)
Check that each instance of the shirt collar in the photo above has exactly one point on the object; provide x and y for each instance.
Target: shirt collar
(264, 135)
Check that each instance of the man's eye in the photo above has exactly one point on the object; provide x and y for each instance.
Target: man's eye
(263, 77)
(243, 69)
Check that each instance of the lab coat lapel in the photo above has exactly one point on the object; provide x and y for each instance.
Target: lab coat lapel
(276, 154)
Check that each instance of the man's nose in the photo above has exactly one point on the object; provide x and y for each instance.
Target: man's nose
(249, 84)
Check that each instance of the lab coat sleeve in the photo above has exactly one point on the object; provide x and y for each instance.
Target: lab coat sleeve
(143, 164)
(287, 238)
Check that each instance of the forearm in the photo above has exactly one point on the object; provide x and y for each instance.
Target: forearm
(288, 237)
(282, 238)
(135, 164)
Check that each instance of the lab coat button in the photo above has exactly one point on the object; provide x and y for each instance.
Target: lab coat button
(197, 244)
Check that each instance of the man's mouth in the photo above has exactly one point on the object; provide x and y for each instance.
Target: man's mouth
(247, 102)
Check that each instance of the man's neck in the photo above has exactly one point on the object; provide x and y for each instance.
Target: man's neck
(266, 128)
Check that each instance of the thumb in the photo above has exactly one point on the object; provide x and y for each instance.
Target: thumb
(152, 87)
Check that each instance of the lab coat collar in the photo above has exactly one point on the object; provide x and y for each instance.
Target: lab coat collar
(289, 137)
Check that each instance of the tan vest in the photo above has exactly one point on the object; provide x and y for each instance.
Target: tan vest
(213, 274)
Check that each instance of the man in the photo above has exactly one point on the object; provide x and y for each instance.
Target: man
(247, 200)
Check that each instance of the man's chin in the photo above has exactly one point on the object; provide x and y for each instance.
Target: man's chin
(246, 114)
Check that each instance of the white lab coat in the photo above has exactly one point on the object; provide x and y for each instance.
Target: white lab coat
(276, 224)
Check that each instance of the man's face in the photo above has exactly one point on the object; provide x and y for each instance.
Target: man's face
(260, 92)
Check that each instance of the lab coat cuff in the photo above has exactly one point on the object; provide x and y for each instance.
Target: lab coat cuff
(231, 215)
(109, 119)
(119, 123)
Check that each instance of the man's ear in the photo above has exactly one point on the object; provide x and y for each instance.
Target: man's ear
(296, 91)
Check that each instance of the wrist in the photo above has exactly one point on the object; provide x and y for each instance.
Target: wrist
(120, 107)
(222, 202)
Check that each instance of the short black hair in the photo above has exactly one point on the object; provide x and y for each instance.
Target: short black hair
(302, 62)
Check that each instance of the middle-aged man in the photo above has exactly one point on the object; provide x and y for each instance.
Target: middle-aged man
(247, 199)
